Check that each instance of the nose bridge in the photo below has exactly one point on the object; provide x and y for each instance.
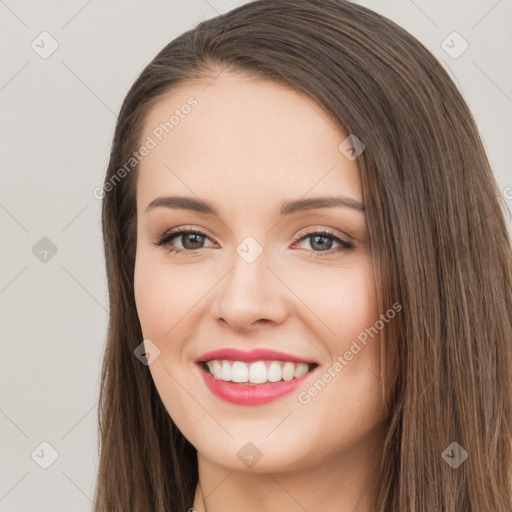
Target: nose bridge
(250, 291)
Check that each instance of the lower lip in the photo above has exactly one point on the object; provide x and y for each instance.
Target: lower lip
(251, 394)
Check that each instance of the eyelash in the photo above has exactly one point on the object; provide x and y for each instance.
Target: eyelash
(165, 239)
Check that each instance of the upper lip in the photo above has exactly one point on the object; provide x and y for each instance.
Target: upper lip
(258, 354)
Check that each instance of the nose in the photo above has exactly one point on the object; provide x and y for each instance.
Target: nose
(250, 294)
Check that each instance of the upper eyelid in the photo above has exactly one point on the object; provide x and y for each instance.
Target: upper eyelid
(171, 234)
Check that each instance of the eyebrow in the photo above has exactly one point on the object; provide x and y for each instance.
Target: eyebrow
(286, 208)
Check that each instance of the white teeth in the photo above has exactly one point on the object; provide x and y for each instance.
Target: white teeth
(217, 368)
(239, 372)
(226, 371)
(258, 372)
(288, 371)
(274, 372)
(300, 370)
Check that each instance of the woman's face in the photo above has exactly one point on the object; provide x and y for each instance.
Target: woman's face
(264, 283)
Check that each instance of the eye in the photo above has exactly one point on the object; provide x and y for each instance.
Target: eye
(191, 240)
(323, 240)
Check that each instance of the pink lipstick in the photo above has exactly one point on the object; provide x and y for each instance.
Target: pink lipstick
(255, 377)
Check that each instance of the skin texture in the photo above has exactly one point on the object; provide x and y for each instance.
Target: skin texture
(246, 147)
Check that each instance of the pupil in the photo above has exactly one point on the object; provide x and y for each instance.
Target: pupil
(193, 238)
(321, 246)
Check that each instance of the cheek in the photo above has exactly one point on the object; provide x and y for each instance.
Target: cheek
(341, 300)
(148, 298)
(163, 295)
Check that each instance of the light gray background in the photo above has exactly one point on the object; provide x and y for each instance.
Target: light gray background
(57, 121)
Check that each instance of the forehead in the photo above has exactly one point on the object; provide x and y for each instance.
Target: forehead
(238, 136)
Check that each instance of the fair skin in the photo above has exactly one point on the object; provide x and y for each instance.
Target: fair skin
(247, 147)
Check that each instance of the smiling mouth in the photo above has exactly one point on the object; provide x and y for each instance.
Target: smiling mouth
(257, 372)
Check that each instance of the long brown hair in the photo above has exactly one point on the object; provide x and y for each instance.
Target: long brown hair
(438, 239)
